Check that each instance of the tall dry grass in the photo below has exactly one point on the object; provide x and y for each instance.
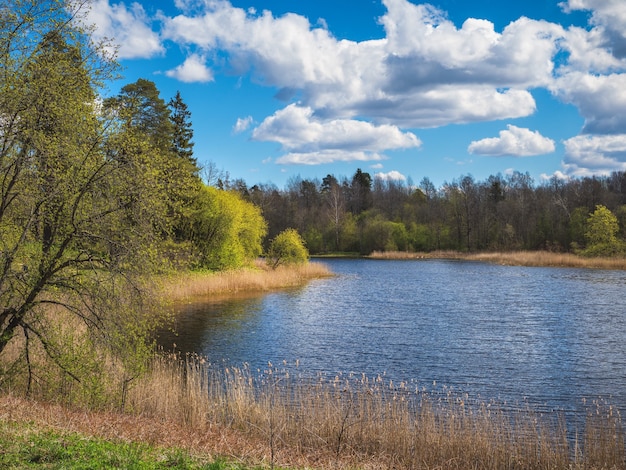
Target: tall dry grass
(258, 278)
(515, 258)
(361, 422)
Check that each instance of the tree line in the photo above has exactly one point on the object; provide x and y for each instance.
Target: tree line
(363, 214)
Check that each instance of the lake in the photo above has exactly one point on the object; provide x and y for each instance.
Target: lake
(549, 337)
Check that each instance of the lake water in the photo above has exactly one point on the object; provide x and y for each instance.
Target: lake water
(544, 336)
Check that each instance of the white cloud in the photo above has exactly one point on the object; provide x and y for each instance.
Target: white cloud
(392, 175)
(311, 140)
(328, 156)
(520, 56)
(587, 155)
(601, 100)
(194, 69)
(128, 29)
(242, 124)
(425, 73)
(557, 174)
(515, 141)
(608, 16)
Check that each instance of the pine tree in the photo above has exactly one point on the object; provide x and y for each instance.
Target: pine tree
(182, 144)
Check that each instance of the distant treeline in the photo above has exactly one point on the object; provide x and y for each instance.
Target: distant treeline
(504, 212)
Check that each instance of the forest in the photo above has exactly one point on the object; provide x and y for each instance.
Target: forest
(362, 214)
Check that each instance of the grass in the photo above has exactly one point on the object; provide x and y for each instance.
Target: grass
(43, 435)
(258, 278)
(26, 445)
(279, 418)
(514, 258)
(186, 413)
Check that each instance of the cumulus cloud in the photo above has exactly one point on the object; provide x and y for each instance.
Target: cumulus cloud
(587, 155)
(392, 175)
(192, 70)
(514, 141)
(128, 29)
(520, 56)
(242, 124)
(354, 97)
(425, 73)
(609, 16)
(312, 140)
(328, 156)
(601, 100)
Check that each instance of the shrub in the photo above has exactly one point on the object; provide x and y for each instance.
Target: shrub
(287, 247)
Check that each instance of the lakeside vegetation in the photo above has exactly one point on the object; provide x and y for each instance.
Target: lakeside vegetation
(513, 258)
(276, 419)
(259, 278)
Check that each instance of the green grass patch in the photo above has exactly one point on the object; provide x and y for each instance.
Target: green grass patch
(24, 446)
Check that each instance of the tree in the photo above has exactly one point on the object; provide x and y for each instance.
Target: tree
(226, 230)
(333, 196)
(601, 233)
(287, 248)
(144, 117)
(360, 192)
(182, 140)
(74, 196)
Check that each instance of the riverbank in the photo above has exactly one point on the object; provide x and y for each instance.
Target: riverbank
(512, 258)
(185, 414)
(258, 278)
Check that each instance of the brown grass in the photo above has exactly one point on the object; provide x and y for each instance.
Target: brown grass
(279, 418)
(259, 278)
(513, 258)
(358, 422)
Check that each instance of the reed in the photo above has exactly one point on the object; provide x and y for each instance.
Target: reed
(258, 278)
(360, 422)
(514, 258)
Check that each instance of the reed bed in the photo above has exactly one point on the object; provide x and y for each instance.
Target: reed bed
(514, 258)
(258, 278)
(360, 422)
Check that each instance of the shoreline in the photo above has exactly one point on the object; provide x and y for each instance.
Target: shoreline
(512, 258)
(258, 278)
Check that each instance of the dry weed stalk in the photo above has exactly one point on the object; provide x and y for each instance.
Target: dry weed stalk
(360, 422)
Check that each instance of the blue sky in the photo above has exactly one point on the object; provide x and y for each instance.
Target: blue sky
(285, 88)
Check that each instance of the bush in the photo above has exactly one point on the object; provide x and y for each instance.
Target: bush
(287, 247)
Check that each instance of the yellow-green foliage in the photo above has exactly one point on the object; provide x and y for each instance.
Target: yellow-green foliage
(226, 230)
(601, 234)
(287, 248)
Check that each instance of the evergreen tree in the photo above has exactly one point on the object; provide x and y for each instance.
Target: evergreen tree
(182, 140)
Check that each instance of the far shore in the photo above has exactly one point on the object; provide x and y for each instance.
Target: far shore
(184, 287)
(512, 258)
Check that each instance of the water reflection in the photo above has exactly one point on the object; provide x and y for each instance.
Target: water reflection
(552, 335)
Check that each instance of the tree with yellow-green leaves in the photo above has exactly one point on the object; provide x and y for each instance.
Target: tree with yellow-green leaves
(286, 248)
(83, 206)
(601, 233)
(226, 231)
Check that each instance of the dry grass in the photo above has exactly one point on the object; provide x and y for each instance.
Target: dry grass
(279, 418)
(514, 258)
(357, 422)
(259, 278)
